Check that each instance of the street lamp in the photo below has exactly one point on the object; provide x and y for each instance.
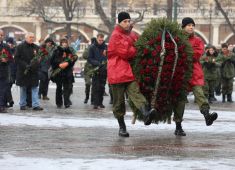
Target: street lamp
(210, 17)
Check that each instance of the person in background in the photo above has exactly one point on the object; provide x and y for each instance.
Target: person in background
(27, 71)
(97, 57)
(5, 56)
(87, 73)
(227, 72)
(210, 63)
(50, 46)
(12, 71)
(63, 59)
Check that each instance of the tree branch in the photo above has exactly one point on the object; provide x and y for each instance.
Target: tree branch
(225, 16)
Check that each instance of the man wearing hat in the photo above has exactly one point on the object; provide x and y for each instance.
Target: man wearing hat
(197, 80)
(121, 51)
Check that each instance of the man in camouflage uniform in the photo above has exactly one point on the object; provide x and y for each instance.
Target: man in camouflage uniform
(210, 64)
(87, 73)
(227, 72)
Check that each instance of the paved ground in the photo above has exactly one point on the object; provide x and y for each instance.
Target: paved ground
(81, 138)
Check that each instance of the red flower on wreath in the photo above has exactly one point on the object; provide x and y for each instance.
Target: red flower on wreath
(151, 42)
(158, 48)
(150, 61)
(154, 53)
(146, 51)
(147, 70)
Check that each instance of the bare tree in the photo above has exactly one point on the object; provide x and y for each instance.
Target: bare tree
(49, 10)
(225, 14)
(109, 22)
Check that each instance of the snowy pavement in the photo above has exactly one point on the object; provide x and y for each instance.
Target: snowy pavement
(80, 138)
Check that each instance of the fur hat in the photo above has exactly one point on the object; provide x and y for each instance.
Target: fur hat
(122, 16)
(187, 21)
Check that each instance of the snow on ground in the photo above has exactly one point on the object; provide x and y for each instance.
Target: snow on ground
(193, 121)
(14, 163)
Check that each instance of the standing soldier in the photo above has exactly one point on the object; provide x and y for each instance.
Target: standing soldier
(4, 72)
(87, 73)
(227, 72)
(43, 70)
(97, 58)
(210, 64)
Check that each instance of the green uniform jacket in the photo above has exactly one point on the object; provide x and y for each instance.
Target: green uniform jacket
(227, 65)
(210, 65)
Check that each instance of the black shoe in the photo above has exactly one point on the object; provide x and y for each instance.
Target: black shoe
(23, 108)
(67, 106)
(45, 98)
(70, 102)
(29, 105)
(3, 110)
(95, 107)
(59, 106)
(102, 106)
(85, 101)
(180, 132)
(123, 133)
(38, 108)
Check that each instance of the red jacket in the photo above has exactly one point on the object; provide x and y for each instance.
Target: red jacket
(198, 50)
(121, 51)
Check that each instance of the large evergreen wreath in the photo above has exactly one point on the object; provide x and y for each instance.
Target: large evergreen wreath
(163, 66)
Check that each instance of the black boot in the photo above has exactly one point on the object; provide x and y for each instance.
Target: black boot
(229, 98)
(179, 131)
(209, 117)
(148, 115)
(87, 92)
(223, 98)
(122, 127)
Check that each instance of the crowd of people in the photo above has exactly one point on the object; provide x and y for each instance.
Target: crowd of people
(31, 67)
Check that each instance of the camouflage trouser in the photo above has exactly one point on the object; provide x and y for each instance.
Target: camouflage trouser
(178, 110)
(133, 92)
(227, 86)
(200, 99)
(209, 87)
(87, 79)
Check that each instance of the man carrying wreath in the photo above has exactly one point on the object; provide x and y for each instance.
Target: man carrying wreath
(121, 51)
(196, 82)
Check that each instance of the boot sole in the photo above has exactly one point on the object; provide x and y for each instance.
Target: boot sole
(212, 119)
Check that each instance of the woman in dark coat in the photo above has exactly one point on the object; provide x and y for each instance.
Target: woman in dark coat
(62, 62)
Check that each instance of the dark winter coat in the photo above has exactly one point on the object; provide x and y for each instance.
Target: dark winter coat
(66, 75)
(96, 57)
(4, 67)
(25, 52)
